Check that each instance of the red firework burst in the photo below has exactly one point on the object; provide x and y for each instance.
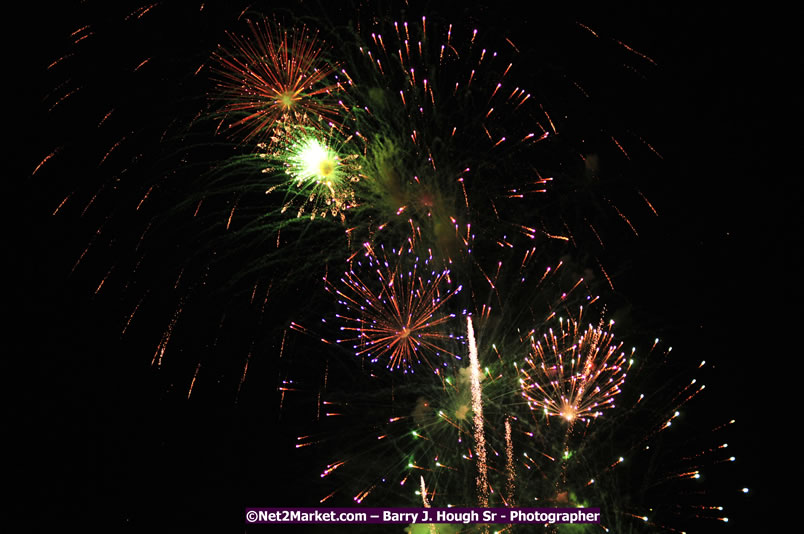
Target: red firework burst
(273, 79)
(397, 314)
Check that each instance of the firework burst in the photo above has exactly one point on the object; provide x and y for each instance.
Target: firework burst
(398, 314)
(576, 372)
(467, 436)
(321, 181)
(436, 99)
(273, 78)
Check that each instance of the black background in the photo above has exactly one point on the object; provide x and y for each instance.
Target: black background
(98, 442)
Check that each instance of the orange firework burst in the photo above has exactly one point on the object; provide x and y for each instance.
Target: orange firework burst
(398, 313)
(272, 80)
(574, 373)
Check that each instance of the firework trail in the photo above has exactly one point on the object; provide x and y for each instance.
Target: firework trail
(510, 470)
(477, 409)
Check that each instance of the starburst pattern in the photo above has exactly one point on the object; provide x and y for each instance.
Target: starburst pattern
(574, 372)
(397, 313)
(321, 176)
(275, 77)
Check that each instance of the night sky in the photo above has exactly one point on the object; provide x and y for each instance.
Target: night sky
(102, 438)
